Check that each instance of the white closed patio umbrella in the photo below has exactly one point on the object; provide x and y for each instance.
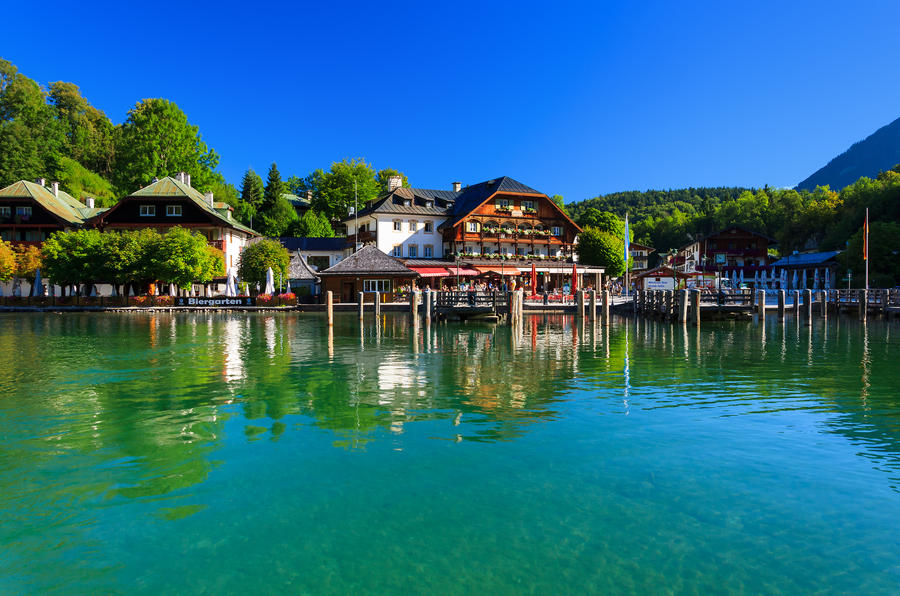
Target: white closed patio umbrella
(816, 279)
(741, 279)
(803, 280)
(784, 279)
(229, 284)
(762, 280)
(270, 282)
(172, 289)
(827, 283)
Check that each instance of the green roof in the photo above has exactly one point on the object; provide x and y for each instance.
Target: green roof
(171, 187)
(62, 205)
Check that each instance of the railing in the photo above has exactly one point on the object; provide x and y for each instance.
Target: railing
(451, 299)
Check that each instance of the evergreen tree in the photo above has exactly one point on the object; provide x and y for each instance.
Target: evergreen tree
(252, 189)
(275, 213)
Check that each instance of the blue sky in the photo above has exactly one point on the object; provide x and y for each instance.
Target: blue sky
(571, 98)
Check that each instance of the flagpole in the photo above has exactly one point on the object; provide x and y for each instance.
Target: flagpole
(627, 275)
(867, 249)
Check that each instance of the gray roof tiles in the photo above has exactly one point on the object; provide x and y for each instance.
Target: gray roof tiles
(369, 260)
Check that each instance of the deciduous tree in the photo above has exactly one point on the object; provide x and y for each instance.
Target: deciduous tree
(256, 259)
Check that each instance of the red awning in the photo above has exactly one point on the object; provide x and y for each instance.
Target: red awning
(430, 271)
(462, 271)
(498, 270)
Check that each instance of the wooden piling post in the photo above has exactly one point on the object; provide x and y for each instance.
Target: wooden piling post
(797, 304)
(329, 307)
(761, 305)
(863, 304)
(781, 304)
(361, 298)
(682, 306)
(579, 304)
(428, 300)
(593, 304)
(377, 304)
(695, 298)
(605, 314)
(808, 306)
(413, 307)
(823, 303)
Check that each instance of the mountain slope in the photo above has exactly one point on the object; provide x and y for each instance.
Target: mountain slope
(877, 152)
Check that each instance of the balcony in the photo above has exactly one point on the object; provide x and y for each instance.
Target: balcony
(364, 238)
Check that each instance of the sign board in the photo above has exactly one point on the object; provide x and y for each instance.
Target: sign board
(659, 283)
(220, 302)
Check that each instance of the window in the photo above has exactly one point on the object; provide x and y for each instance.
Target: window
(413, 226)
(556, 231)
(428, 251)
(148, 210)
(398, 225)
(23, 211)
(397, 251)
(429, 227)
(4, 211)
(376, 285)
(527, 205)
(429, 204)
(472, 226)
(413, 251)
(502, 204)
(173, 210)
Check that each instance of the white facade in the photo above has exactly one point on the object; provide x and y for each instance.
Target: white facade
(417, 237)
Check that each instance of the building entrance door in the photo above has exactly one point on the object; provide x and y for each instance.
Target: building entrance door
(347, 291)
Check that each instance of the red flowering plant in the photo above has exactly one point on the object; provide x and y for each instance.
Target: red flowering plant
(139, 301)
(263, 299)
(164, 300)
(287, 299)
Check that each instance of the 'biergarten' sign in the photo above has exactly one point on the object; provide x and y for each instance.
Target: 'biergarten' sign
(215, 302)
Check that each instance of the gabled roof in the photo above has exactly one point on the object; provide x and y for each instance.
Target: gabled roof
(741, 228)
(63, 206)
(322, 244)
(369, 260)
(395, 203)
(295, 200)
(809, 258)
(169, 187)
(636, 246)
(298, 268)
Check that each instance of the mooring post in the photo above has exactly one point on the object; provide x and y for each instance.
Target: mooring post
(695, 298)
(797, 303)
(579, 304)
(604, 314)
(823, 303)
(361, 298)
(761, 305)
(521, 305)
(593, 304)
(808, 306)
(863, 304)
(682, 306)
(428, 297)
(329, 307)
(413, 306)
(377, 304)
(781, 304)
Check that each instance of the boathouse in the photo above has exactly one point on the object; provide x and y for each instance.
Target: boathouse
(370, 271)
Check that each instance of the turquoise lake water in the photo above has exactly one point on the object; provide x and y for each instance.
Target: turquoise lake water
(235, 453)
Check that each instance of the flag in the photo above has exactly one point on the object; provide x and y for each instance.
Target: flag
(626, 242)
(574, 278)
(533, 280)
(866, 237)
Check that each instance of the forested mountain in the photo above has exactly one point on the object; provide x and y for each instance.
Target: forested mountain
(878, 152)
(799, 220)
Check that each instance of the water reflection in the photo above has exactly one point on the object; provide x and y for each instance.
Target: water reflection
(112, 409)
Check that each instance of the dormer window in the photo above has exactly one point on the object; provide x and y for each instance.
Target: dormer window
(407, 203)
(173, 210)
(148, 210)
(429, 204)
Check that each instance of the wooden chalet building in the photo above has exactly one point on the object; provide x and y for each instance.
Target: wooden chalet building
(367, 270)
(733, 249)
(30, 212)
(170, 202)
(640, 256)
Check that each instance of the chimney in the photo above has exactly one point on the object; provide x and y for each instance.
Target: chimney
(210, 198)
(457, 186)
(394, 182)
(180, 177)
(41, 181)
(54, 186)
(155, 180)
(187, 179)
(309, 195)
(89, 201)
